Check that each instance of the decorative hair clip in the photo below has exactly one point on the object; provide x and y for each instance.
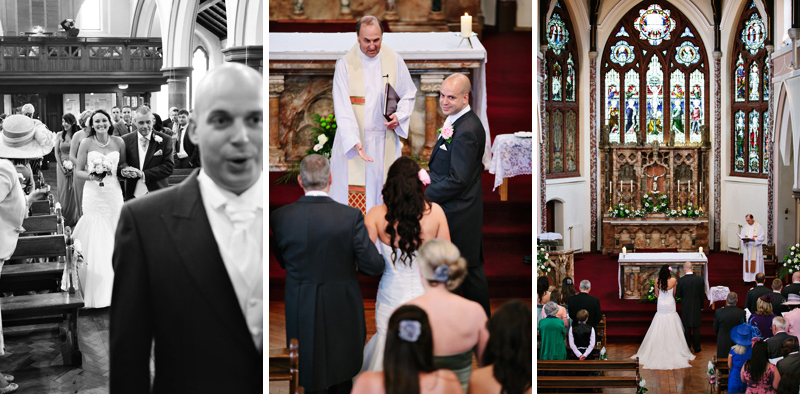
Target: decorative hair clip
(569, 281)
(409, 330)
(424, 177)
(442, 273)
(670, 269)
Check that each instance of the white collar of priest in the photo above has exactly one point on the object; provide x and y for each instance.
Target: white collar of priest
(453, 118)
(316, 193)
(365, 58)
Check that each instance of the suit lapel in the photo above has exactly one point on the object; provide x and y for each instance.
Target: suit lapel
(189, 225)
(151, 148)
(134, 151)
(441, 141)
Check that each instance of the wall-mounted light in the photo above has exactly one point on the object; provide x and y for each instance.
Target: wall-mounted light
(123, 86)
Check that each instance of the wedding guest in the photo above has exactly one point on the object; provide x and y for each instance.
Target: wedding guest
(65, 171)
(790, 363)
(408, 366)
(552, 334)
(755, 293)
(762, 319)
(458, 324)
(793, 288)
(556, 297)
(543, 290)
(760, 376)
(742, 336)
(73, 156)
(567, 289)
(778, 299)
(189, 284)
(583, 300)
(775, 343)
(581, 337)
(790, 383)
(724, 320)
(507, 357)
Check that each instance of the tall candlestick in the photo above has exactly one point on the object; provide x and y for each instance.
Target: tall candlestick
(466, 25)
(620, 185)
(679, 185)
(631, 185)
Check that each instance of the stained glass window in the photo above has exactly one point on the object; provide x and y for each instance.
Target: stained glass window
(622, 32)
(562, 115)
(655, 80)
(750, 95)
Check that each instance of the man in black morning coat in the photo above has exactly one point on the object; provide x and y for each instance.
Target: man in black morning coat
(321, 243)
(692, 291)
(583, 300)
(456, 167)
(726, 318)
(755, 293)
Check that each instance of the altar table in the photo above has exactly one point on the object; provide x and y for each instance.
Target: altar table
(636, 270)
(511, 156)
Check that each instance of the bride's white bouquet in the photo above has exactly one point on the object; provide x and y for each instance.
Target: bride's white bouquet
(100, 167)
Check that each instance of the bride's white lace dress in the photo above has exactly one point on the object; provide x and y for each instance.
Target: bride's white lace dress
(95, 230)
(399, 284)
(664, 346)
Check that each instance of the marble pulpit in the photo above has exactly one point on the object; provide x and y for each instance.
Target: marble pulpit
(301, 67)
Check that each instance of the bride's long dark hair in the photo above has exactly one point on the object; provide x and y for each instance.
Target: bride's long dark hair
(405, 204)
(663, 277)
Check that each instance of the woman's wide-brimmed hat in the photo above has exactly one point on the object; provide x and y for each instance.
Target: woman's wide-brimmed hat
(793, 299)
(793, 322)
(743, 334)
(25, 138)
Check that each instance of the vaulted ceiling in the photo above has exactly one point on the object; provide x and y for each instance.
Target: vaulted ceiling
(213, 16)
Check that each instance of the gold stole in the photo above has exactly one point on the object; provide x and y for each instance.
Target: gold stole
(751, 268)
(356, 166)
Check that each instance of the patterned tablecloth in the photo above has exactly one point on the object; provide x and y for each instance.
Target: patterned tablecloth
(511, 156)
(719, 293)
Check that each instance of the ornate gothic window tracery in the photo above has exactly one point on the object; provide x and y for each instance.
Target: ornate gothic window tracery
(654, 79)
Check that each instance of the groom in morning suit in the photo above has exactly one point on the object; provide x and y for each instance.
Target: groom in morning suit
(188, 260)
(456, 167)
(322, 244)
(149, 152)
(692, 291)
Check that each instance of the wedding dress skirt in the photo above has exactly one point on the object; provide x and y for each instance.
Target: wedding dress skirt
(95, 231)
(399, 284)
(664, 346)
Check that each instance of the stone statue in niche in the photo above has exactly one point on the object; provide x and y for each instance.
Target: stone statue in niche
(298, 6)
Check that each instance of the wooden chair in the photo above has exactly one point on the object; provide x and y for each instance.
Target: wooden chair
(284, 365)
(722, 371)
(770, 264)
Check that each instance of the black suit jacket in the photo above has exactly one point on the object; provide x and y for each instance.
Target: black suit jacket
(724, 320)
(777, 303)
(157, 168)
(753, 295)
(692, 291)
(321, 243)
(789, 364)
(774, 344)
(584, 301)
(456, 185)
(793, 288)
(191, 150)
(171, 286)
(120, 129)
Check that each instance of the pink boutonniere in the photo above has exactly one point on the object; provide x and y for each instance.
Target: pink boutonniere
(446, 133)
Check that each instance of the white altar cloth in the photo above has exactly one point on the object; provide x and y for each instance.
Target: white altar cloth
(410, 46)
(665, 258)
(511, 156)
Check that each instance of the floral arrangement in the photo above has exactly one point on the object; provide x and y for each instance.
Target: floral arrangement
(642, 389)
(791, 262)
(325, 131)
(603, 354)
(651, 293)
(712, 376)
(542, 258)
(100, 167)
(686, 211)
(655, 202)
(623, 211)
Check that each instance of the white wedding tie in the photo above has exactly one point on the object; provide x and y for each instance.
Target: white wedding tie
(243, 248)
(143, 142)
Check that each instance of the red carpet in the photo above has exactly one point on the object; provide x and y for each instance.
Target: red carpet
(629, 320)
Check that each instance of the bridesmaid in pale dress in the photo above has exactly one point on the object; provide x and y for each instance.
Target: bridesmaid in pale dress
(73, 156)
(66, 188)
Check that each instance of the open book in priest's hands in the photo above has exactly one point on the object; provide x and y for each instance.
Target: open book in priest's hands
(745, 239)
(390, 100)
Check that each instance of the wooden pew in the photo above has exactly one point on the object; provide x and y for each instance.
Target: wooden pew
(588, 382)
(284, 365)
(179, 175)
(43, 207)
(722, 371)
(44, 224)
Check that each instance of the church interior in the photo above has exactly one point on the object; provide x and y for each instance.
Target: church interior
(70, 56)
(663, 124)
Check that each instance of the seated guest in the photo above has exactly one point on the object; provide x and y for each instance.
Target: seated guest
(507, 357)
(581, 337)
(791, 359)
(552, 335)
(408, 359)
(778, 298)
(755, 293)
(762, 319)
(555, 296)
(726, 318)
(583, 300)
(458, 324)
(758, 374)
(779, 335)
(790, 383)
(742, 337)
(567, 289)
(793, 288)
(543, 289)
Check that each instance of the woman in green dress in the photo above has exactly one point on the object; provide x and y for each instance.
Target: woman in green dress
(552, 334)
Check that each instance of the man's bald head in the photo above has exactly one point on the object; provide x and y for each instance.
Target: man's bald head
(460, 82)
(454, 94)
(229, 76)
(796, 277)
(687, 267)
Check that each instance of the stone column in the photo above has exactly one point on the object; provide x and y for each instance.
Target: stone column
(178, 85)
(717, 146)
(769, 133)
(431, 84)
(542, 143)
(276, 155)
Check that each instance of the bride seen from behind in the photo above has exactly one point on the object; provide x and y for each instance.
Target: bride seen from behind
(666, 328)
(405, 220)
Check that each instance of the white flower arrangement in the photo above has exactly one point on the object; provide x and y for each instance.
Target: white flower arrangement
(322, 139)
(791, 262)
(100, 167)
(67, 164)
(317, 147)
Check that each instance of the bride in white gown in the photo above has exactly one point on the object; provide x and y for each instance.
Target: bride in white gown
(101, 208)
(405, 220)
(664, 346)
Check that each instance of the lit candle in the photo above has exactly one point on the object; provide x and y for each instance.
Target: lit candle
(624, 251)
(679, 185)
(701, 187)
(631, 184)
(701, 250)
(689, 184)
(620, 185)
(610, 186)
(466, 25)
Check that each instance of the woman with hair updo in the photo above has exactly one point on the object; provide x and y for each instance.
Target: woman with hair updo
(405, 220)
(458, 324)
(83, 131)
(64, 172)
(762, 319)
(666, 328)
(507, 357)
(408, 367)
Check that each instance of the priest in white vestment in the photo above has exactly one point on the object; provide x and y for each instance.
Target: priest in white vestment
(753, 255)
(366, 144)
